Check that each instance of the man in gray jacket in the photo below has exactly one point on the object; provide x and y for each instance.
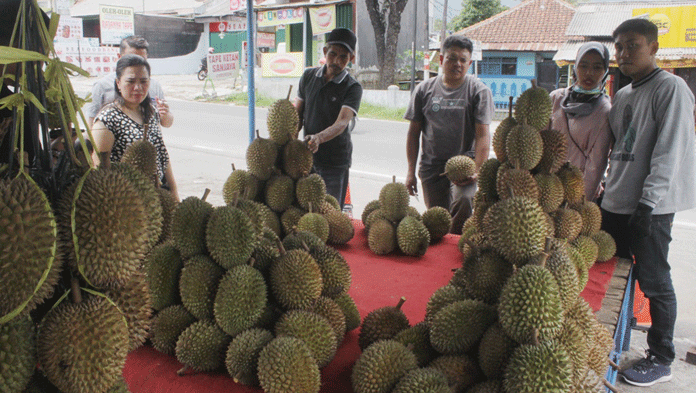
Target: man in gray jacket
(651, 176)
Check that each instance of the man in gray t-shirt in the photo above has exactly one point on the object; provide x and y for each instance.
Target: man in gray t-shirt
(451, 115)
(103, 90)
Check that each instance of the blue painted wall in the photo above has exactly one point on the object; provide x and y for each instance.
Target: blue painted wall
(504, 86)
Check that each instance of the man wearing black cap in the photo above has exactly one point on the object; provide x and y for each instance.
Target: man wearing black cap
(328, 99)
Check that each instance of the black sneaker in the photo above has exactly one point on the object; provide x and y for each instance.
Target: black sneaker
(647, 372)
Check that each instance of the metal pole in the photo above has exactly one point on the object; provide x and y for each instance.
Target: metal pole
(444, 22)
(415, 29)
(251, 50)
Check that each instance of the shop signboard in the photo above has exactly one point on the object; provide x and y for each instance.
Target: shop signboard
(282, 64)
(223, 65)
(265, 40)
(323, 19)
(87, 54)
(236, 24)
(69, 29)
(286, 16)
(115, 23)
(675, 25)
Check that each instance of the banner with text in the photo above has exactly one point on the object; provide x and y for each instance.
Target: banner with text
(285, 16)
(69, 28)
(237, 24)
(323, 19)
(675, 25)
(86, 53)
(223, 65)
(282, 64)
(116, 23)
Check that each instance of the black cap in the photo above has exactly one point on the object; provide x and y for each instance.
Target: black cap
(343, 37)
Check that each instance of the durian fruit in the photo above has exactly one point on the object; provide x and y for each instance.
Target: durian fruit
(494, 351)
(302, 240)
(283, 121)
(111, 241)
(329, 309)
(538, 368)
(500, 136)
(335, 271)
(162, 267)
(485, 273)
(350, 310)
(240, 299)
(373, 217)
(240, 184)
(270, 219)
(28, 236)
(119, 387)
(189, 221)
(369, 208)
(290, 217)
(202, 346)
(461, 370)
(313, 329)
(606, 246)
(198, 284)
(524, 146)
(588, 249)
(296, 279)
(438, 221)
(382, 324)
(565, 273)
(456, 328)
(133, 300)
(82, 346)
(261, 156)
(534, 106)
(516, 182)
(516, 228)
(421, 380)
(555, 151)
(142, 155)
(601, 345)
(315, 223)
(573, 183)
(459, 168)
(279, 193)
(489, 386)
(567, 223)
(242, 355)
(150, 199)
(380, 367)
(331, 204)
(550, 191)
(412, 236)
(168, 205)
(252, 209)
(382, 237)
(297, 159)
(166, 327)
(17, 353)
(572, 338)
(266, 250)
(443, 297)
(341, 228)
(286, 365)
(230, 236)
(393, 200)
(591, 217)
(488, 173)
(580, 267)
(530, 305)
(417, 339)
(310, 191)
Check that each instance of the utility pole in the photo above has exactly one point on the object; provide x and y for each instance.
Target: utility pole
(444, 23)
(413, 51)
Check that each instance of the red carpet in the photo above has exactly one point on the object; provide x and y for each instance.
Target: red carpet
(378, 281)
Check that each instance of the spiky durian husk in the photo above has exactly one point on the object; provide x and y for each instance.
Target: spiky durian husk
(591, 217)
(270, 219)
(488, 174)
(494, 351)
(289, 219)
(461, 370)
(82, 347)
(198, 283)
(350, 310)
(261, 156)
(167, 325)
(150, 198)
(459, 168)
(516, 228)
(17, 353)
(485, 273)
(417, 339)
(538, 368)
(28, 239)
(329, 309)
(297, 159)
(516, 182)
(500, 136)
(133, 299)
(458, 327)
(168, 205)
(279, 193)
(524, 147)
(282, 122)
(550, 191)
(240, 299)
(382, 324)
(567, 223)
(142, 155)
(382, 238)
(111, 242)
(555, 151)
(202, 346)
(393, 199)
(606, 246)
(438, 221)
(335, 271)
(313, 329)
(296, 280)
(286, 364)
(423, 380)
(241, 359)
(573, 183)
(534, 107)
(443, 297)
(369, 208)
(381, 365)
(230, 236)
(163, 267)
(341, 228)
(240, 184)
(189, 222)
(310, 191)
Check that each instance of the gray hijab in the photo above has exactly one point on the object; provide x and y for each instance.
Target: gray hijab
(576, 101)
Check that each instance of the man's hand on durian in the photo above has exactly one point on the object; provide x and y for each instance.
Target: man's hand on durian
(467, 181)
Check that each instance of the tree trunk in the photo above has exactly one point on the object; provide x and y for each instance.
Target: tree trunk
(385, 16)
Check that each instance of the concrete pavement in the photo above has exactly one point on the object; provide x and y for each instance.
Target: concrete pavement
(197, 169)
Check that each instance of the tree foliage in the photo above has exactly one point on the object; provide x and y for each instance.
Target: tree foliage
(385, 16)
(474, 11)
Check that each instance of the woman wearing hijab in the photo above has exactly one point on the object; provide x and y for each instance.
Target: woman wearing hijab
(581, 112)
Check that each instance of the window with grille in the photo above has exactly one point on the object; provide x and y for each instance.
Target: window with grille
(498, 66)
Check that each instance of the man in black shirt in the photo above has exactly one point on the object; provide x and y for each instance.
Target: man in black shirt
(327, 102)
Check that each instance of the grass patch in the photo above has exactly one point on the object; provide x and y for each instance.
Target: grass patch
(242, 99)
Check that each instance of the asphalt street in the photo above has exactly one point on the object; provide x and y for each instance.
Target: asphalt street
(207, 138)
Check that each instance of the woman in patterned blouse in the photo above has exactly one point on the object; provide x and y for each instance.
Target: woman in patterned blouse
(121, 123)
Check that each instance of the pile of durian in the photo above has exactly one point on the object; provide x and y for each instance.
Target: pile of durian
(511, 319)
(391, 224)
(231, 296)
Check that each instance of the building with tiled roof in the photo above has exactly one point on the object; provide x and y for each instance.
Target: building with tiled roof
(519, 44)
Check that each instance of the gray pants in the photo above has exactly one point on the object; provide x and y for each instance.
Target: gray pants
(458, 200)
